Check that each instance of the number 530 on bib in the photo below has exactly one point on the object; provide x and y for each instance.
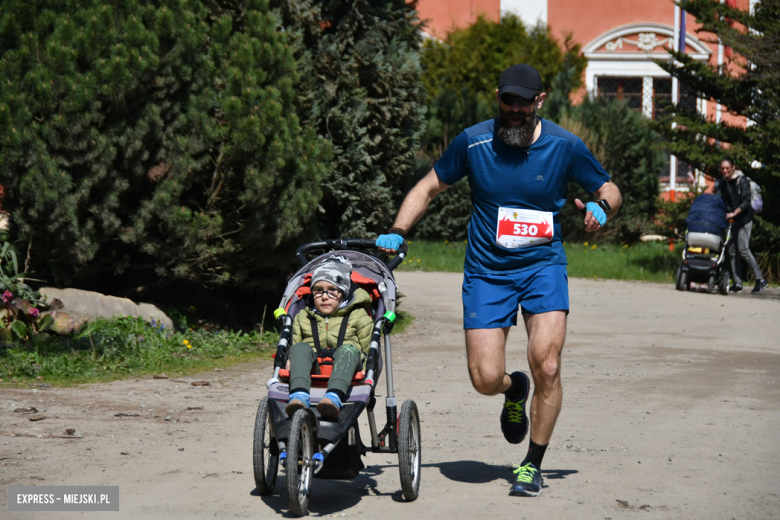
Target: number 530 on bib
(523, 227)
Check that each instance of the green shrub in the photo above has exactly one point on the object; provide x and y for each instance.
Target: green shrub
(155, 139)
(361, 91)
(627, 148)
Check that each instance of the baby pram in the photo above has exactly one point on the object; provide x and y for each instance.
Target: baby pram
(306, 445)
(705, 245)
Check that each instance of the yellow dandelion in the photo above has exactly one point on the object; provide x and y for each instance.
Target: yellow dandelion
(418, 260)
(189, 346)
(446, 241)
(593, 246)
(186, 342)
(586, 243)
(465, 241)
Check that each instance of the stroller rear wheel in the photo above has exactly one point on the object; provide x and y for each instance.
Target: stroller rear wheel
(409, 445)
(711, 284)
(682, 279)
(723, 284)
(300, 466)
(265, 451)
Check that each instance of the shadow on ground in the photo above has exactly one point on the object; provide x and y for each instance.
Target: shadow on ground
(475, 472)
(333, 496)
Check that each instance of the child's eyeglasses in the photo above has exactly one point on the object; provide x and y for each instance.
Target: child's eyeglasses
(510, 99)
(332, 293)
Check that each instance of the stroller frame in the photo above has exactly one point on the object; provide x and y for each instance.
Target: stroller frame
(292, 441)
(704, 267)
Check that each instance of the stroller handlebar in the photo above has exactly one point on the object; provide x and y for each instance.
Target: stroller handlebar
(360, 244)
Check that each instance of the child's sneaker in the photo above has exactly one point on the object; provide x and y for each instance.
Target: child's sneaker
(330, 406)
(297, 401)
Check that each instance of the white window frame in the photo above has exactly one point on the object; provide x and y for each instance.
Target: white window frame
(634, 63)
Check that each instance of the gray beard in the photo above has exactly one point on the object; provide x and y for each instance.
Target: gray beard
(517, 136)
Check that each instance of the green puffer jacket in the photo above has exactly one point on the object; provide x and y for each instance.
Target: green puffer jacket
(358, 331)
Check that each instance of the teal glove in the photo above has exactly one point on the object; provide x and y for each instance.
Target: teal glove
(598, 213)
(391, 241)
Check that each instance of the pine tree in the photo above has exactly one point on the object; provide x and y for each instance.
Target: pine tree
(361, 90)
(627, 148)
(155, 139)
(748, 86)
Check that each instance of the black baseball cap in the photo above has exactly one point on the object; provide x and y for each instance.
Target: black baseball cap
(520, 79)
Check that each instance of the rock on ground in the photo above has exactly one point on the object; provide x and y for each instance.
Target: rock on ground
(84, 306)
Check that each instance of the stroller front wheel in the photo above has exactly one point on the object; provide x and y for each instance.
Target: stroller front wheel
(300, 463)
(265, 451)
(409, 444)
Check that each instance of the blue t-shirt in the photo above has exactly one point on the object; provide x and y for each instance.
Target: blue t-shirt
(533, 178)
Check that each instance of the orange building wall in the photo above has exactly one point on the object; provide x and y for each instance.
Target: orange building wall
(442, 16)
(588, 20)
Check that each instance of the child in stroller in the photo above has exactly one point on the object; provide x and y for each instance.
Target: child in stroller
(325, 441)
(338, 327)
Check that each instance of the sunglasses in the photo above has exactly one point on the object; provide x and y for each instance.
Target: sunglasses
(510, 99)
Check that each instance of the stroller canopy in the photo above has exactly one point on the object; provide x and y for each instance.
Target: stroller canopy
(707, 215)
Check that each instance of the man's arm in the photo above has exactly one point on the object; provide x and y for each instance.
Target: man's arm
(608, 192)
(416, 202)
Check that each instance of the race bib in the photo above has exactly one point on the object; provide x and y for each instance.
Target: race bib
(523, 227)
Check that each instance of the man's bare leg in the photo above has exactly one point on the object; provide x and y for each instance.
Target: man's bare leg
(485, 349)
(546, 334)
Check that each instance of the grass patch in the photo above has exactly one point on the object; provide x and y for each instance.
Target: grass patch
(648, 261)
(427, 255)
(107, 350)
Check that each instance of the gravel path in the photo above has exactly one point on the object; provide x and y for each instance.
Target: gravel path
(670, 409)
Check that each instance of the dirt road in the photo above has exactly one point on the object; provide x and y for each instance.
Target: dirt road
(671, 410)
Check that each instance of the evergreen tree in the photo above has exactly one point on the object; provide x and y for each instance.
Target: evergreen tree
(747, 87)
(476, 56)
(626, 147)
(158, 139)
(361, 90)
(449, 113)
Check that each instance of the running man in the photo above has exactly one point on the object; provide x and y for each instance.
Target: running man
(519, 167)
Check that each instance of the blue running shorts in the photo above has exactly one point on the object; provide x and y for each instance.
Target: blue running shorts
(490, 301)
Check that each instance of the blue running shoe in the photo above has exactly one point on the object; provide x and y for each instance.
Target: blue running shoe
(330, 406)
(514, 421)
(297, 401)
(528, 483)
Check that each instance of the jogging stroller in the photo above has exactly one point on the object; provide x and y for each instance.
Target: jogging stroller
(307, 445)
(703, 259)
